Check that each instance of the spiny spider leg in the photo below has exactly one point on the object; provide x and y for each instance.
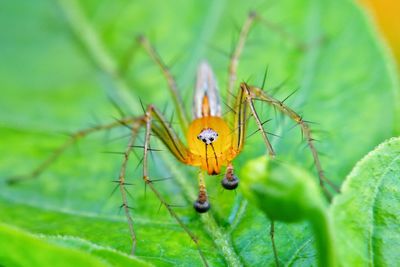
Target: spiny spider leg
(255, 93)
(260, 127)
(240, 121)
(122, 177)
(234, 60)
(150, 113)
(232, 70)
(172, 85)
(74, 138)
(161, 128)
(243, 99)
(243, 36)
(167, 135)
(246, 97)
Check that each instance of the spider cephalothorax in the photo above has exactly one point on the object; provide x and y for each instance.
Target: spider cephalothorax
(209, 137)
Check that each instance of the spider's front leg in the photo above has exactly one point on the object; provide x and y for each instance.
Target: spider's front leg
(171, 82)
(242, 102)
(230, 180)
(253, 18)
(156, 123)
(202, 205)
(255, 93)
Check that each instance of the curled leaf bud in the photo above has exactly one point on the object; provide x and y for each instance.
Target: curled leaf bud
(290, 194)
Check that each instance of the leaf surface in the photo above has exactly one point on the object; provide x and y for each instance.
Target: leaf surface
(55, 74)
(367, 213)
(41, 252)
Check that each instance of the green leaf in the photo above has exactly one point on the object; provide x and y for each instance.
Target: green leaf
(287, 193)
(283, 192)
(367, 213)
(22, 249)
(57, 71)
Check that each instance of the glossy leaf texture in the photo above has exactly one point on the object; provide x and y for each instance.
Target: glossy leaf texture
(61, 61)
(367, 213)
(56, 251)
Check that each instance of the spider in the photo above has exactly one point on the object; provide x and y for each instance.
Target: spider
(213, 141)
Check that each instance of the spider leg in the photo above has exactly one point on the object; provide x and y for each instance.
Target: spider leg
(74, 138)
(172, 84)
(134, 123)
(243, 103)
(255, 93)
(163, 130)
(260, 127)
(241, 99)
(252, 18)
(121, 182)
(230, 180)
(202, 205)
(234, 58)
(152, 113)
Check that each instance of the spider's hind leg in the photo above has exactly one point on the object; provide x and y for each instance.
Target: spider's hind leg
(74, 138)
(121, 183)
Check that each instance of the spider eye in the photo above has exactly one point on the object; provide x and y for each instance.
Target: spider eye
(211, 139)
(204, 140)
(231, 183)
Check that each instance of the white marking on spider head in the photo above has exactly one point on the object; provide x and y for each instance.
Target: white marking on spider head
(208, 136)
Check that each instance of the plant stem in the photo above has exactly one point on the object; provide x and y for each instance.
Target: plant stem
(221, 238)
(324, 238)
(272, 234)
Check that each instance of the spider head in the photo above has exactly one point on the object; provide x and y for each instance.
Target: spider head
(210, 144)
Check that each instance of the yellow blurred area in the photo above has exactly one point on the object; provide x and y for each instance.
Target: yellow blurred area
(387, 16)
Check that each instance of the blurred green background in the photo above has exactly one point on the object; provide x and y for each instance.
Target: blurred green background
(59, 65)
